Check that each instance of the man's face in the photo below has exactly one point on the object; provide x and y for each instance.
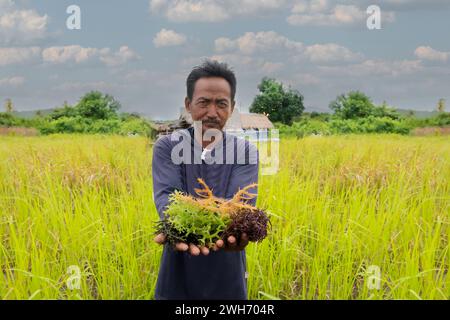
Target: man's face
(211, 103)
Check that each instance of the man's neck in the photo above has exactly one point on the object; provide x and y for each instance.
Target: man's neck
(208, 144)
(211, 143)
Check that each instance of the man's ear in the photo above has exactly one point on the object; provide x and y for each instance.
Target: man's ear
(187, 104)
(232, 106)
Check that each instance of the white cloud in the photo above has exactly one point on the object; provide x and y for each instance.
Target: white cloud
(118, 58)
(247, 64)
(428, 53)
(255, 6)
(405, 5)
(269, 41)
(167, 38)
(319, 13)
(271, 67)
(224, 44)
(374, 68)
(303, 12)
(341, 14)
(20, 26)
(203, 11)
(66, 54)
(252, 42)
(10, 56)
(232, 59)
(157, 5)
(313, 6)
(12, 82)
(330, 52)
(212, 10)
(79, 54)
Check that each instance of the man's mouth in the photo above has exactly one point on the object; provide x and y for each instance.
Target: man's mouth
(210, 123)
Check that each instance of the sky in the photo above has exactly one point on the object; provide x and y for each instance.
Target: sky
(142, 51)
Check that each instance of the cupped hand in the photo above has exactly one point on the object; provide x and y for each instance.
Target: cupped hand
(181, 246)
(232, 243)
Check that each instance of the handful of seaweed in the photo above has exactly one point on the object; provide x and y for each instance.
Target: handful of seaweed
(204, 220)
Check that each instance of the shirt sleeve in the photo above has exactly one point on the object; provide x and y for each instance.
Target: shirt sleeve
(243, 175)
(167, 176)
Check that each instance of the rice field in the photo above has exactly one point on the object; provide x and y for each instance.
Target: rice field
(354, 217)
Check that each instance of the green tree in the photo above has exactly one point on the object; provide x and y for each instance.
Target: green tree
(384, 111)
(279, 104)
(95, 105)
(66, 111)
(125, 116)
(356, 104)
(353, 105)
(7, 119)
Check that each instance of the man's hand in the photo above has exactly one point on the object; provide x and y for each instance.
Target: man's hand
(181, 246)
(231, 245)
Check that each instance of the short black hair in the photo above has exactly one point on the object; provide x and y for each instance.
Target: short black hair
(208, 69)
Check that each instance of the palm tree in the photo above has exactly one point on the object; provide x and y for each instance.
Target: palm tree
(441, 105)
(9, 106)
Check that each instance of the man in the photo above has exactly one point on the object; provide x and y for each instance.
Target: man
(188, 271)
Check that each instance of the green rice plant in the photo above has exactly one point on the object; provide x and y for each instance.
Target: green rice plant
(339, 207)
(204, 221)
(190, 223)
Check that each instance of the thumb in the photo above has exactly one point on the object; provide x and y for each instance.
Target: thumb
(160, 238)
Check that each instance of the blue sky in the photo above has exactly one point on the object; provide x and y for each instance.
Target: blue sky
(141, 51)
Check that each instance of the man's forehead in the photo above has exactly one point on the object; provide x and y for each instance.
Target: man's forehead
(213, 89)
(212, 85)
(212, 97)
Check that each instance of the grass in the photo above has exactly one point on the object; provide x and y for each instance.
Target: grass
(340, 205)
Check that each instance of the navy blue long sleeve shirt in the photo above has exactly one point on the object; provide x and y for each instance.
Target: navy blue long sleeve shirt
(221, 274)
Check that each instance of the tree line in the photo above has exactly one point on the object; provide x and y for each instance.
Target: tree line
(353, 112)
(95, 113)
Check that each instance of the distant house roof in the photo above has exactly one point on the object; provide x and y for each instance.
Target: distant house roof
(255, 121)
(161, 127)
(234, 122)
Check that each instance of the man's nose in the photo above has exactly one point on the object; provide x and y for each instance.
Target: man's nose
(212, 111)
